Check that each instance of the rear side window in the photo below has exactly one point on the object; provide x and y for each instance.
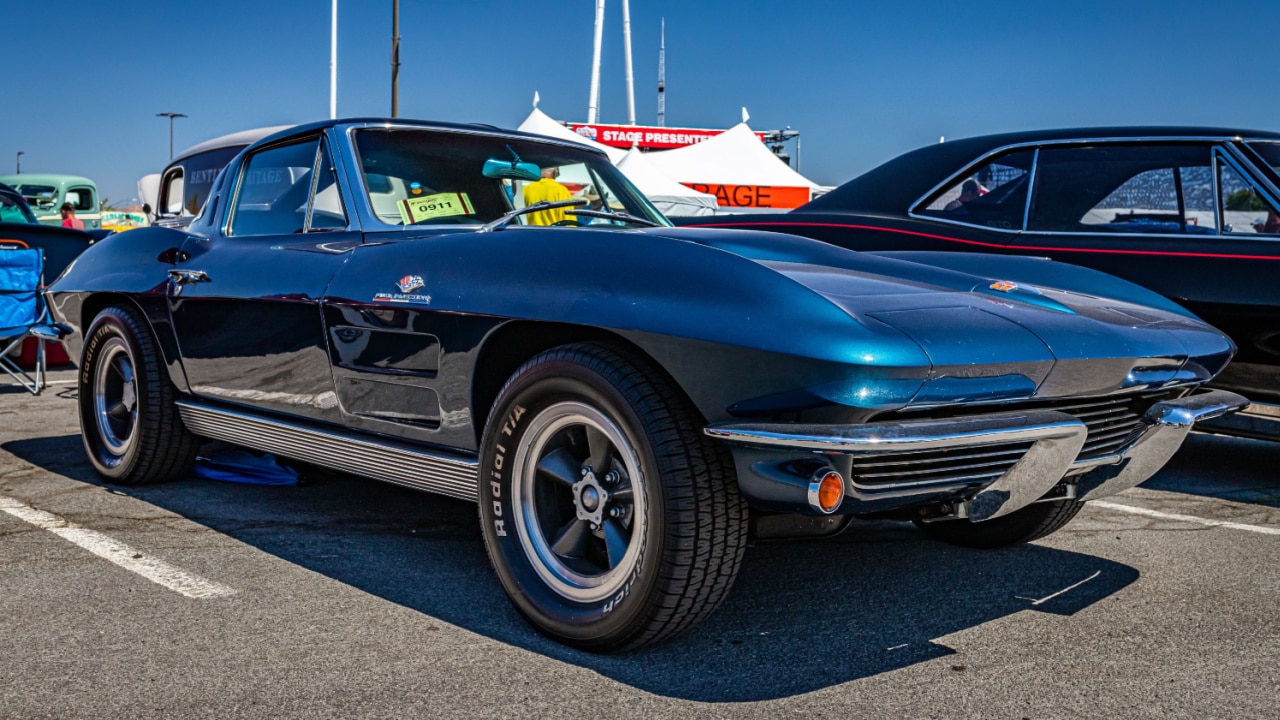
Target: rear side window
(1244, 208)
(275, 187)
(1124, 189)
(994, 195)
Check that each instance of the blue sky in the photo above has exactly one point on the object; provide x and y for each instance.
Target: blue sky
(863, 81)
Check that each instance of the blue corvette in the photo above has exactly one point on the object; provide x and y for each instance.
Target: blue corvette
(501, 317)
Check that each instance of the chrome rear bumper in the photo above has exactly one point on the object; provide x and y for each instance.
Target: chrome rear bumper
(1048, 442)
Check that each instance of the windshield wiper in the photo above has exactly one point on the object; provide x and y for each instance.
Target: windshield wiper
(615, 216)
(506, 218)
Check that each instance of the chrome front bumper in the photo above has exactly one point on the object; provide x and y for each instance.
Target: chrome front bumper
(1054, 438)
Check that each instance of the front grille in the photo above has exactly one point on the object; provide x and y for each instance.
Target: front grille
(976, 465)
(1112, 422)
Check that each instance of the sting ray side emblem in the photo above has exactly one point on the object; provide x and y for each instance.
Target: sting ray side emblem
(409, 283)
(1003, 286)
(407, 286)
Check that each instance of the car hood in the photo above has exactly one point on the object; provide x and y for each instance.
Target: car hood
(993, 338)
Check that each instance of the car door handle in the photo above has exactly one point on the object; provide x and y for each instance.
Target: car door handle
(178, 278)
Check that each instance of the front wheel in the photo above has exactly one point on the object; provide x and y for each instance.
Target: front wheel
(1020, 526)
(131, 428)
(610, 520)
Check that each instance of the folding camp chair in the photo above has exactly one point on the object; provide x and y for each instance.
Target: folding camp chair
(23, 312)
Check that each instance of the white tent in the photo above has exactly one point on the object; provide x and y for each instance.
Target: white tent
(540, 123)
(667, 195)
(734, 158)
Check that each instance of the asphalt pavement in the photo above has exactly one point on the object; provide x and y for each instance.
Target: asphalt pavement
(346, 598)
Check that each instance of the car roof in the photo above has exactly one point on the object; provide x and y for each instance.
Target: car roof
(47, 179)
(235, 139)
(895, 185)
(426, 124)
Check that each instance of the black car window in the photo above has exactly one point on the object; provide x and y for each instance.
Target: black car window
(326, 203)
(1269, 151)
(1162, 188)
(993, 195)
(1244, 208)
(274, 187)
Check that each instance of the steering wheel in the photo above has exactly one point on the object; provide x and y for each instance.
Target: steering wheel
(566, 223)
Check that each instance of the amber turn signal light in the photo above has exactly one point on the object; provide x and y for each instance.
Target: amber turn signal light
(826, 491)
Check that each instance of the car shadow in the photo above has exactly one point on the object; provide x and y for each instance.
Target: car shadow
(1227, 468)
(803, 615)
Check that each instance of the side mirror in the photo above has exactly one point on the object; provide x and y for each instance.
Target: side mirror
(511, 170)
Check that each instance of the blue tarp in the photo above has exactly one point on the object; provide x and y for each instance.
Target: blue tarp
(241, 466)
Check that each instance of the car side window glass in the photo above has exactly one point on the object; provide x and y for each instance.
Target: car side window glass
(198, 176)
(173, 186)
(326, 204)
(275, 186)
(1244, 209)
(993, 195)
(1124, 189)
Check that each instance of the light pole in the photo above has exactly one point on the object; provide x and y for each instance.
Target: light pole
(19, 170)
(171, 116)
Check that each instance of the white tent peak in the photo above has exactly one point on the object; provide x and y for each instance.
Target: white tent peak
(734, 157)
(535, 99)
(745, 115)
(540, 123)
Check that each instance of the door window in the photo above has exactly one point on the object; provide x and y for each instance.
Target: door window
(1245, 209)
(1124, 189)
(994, 195)
(81, 198)
(275, 187)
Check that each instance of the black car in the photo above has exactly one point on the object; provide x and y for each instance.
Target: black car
(1192, 213)
(19, 227)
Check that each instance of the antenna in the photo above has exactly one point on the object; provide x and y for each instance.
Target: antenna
(662, 76)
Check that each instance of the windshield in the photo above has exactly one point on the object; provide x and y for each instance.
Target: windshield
(426, 177)
(42, 197)
(13, 211)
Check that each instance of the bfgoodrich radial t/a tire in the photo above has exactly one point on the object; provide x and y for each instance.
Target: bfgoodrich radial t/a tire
(131, 429)
(1021, 526)
(610, 520)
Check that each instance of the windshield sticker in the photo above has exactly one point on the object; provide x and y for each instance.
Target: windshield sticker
(416, 209)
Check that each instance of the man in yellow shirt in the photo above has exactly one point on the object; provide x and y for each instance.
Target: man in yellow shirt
(546, 189)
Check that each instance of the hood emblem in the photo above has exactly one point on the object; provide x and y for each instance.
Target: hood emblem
(1003, 286)
(409, 283)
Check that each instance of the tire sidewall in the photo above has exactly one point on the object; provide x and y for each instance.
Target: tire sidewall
(111, 323)
(604, 622)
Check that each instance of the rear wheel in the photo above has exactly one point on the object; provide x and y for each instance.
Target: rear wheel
(131, 428)
(1020, 526)
(610, 520)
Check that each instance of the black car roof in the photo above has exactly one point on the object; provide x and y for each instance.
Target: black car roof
(427, 124)
(895, 185)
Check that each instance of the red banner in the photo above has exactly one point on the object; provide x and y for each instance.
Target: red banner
(647, 137)
(764, 196)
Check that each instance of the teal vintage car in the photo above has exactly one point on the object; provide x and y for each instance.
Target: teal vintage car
(46, 193)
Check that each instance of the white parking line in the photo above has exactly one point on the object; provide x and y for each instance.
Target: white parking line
(157, 571)
(1265, 530)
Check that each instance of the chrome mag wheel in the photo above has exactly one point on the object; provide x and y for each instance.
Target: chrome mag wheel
(115, 397)
(579, 501)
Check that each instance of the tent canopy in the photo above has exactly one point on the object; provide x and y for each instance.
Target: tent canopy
(540, 123)
(734, 157)
(669, 196)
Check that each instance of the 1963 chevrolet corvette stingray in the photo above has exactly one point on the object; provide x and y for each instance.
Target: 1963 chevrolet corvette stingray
(503, 318)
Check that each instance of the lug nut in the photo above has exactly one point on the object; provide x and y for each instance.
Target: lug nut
(585, 471)
(594, 526)
(613, 477)
(616, 512)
